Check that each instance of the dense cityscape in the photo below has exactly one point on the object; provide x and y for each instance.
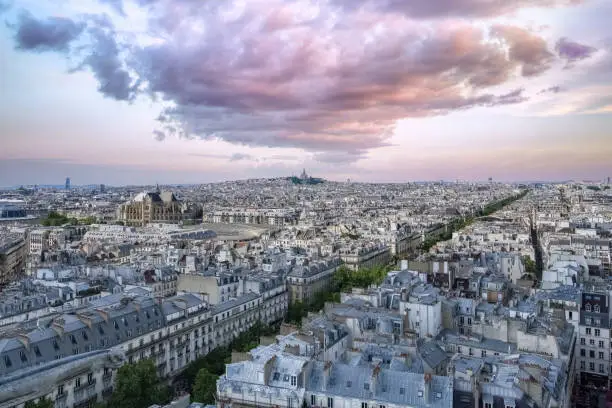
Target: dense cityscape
(305, 204)
(292, 292)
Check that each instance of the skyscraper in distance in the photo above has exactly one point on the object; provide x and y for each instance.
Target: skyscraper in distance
(67, 183)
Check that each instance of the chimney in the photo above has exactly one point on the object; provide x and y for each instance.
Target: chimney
(427, 388)
(326, 371)
(374, 379)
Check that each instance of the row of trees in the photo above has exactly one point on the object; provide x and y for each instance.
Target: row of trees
(200, 376)
(460, 223)
(343, 281)
(55, 219)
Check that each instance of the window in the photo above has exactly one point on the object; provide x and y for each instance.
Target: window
(587, 307)
(7, 361)
(598, 333)
(60, 389)
(293, 380)
(349, 384)
(382, 406)
(583, 353)
(582, 365)
(601, 344)
(364, 405)
(101, 330)
(116, 325)
(125, 322)
(582, 340)
(488, 405)
(313, 400)
(591, 342)
(85, 336)
(366, 386)
(591, 354)
(402, 391)
(596, 308)
(483, 353)
(37, 351)
(601, 368)
(458, 349)
(330, 402)
(601, 355)
(588, 331)
(77, 382)
(90, 378)
(55, 345)
(73, 339)
(23, 356)
(592, 366)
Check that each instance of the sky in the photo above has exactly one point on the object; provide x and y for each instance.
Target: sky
(191, 91)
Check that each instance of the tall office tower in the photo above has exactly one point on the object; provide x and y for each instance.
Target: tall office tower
(67, 183)
(102, 188)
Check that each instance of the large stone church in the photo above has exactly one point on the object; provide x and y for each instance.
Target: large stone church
(152, 207)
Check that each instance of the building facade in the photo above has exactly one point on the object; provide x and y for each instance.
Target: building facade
(13, 254)
(306, 281)
(147, 207)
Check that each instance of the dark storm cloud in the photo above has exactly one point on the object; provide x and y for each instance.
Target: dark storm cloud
(51, 34)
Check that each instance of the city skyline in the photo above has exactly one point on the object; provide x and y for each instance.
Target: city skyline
(146, 91)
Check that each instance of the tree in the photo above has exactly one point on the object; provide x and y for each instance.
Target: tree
(42, 403)
(204, 387)
(137, 385)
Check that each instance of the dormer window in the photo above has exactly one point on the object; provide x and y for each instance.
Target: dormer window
(596, 308)
(587, 307)
(73, 339)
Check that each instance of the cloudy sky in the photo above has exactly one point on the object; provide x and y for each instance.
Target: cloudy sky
(187, 91)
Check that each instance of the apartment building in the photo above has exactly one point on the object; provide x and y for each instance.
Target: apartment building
(365, 257)
(306, 281)
(277, 376)
(13, 253)
(593, 354)
(75, 381)
(173, 332)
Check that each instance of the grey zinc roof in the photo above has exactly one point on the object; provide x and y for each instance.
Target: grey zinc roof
(395, 387)
(67, 334)
(450, 337)
(432, 354)
(229, 305)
